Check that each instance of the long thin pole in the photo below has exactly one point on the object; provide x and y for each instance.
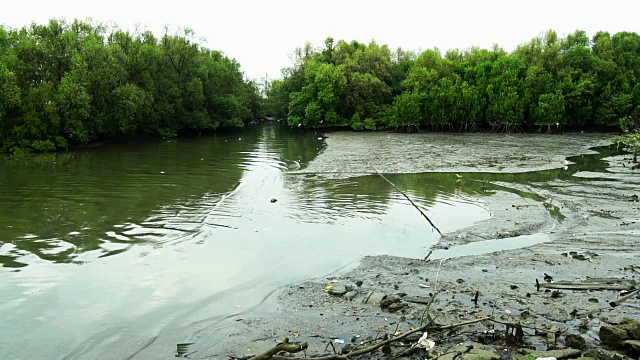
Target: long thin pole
(408, 198)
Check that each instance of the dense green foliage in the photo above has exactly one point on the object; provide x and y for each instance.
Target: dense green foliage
(630, 140)
(73, 83)
(546, 83)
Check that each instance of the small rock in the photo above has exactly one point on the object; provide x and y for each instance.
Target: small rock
(339, 290)
(513, 287)
(593, 300)
(350, 295)
(575, 342)
(634, 344)
(462, 348)
(396, 306)
(632, 327)
(388, 301)
(460, 281)
(558, 354)
(359, 283)
(450, 356)
(274, 200)
(613, 336)
(603, 354)
(374, 298)
(478, 354)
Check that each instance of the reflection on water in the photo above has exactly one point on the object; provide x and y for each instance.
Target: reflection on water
(129, 248)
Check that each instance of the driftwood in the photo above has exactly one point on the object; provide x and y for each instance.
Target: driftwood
(582, 286)
(612, 304)
(285, 345)
(588, 284)
(408, 198)
(368, 349)
(426, 258)
(630, 295)
(417, 299)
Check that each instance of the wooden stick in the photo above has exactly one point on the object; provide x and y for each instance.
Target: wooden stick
(582, 286)
(376, 346)
(408, 198)
(426, 258)
(283, 346)
(630, 295)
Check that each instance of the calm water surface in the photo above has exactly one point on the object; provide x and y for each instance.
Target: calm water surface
(108, 251)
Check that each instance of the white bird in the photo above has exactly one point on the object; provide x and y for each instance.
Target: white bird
(295, 165)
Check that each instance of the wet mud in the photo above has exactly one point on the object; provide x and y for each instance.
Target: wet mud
(580, 226)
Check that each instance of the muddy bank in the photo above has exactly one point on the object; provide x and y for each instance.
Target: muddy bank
(349, 154)
(574, 228)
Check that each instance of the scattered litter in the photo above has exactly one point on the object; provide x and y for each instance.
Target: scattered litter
(338, 341)
(425, 343)
(424, 286)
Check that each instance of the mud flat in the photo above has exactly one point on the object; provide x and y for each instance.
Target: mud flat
(352, 153)
(581, 229)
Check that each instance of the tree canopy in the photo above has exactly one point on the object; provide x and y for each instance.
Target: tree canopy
(547, 83)
(72, 83)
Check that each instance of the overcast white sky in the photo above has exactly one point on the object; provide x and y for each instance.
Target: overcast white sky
(262, 34)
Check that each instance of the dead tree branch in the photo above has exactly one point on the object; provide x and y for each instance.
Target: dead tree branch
(285, 345)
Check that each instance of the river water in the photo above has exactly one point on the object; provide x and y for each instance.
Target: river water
(123, 251)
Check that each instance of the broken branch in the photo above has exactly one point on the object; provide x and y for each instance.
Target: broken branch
(285, 345)
(583, 286)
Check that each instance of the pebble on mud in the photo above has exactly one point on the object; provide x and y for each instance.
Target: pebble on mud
(613, 336)
(350, 295)
(339, 290)
(575, 341)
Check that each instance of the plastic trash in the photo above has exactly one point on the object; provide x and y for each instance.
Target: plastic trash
(338, 341)
(425, 343)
